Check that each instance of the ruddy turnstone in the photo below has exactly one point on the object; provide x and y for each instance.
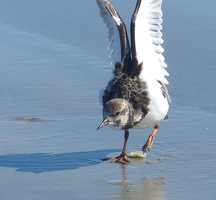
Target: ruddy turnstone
(136, 96)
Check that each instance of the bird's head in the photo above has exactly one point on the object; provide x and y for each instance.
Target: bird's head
(116, 114)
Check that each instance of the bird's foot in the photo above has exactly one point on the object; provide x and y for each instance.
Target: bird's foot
(119, 159)
(147, 146)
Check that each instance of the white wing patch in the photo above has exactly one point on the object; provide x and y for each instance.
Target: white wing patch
(113, 38)
(118, 20)
(148, 40)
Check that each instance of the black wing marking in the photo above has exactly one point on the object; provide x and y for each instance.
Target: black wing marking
(146, 39)
(119, 42)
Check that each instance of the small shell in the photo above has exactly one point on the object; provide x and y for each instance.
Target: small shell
(136, 155)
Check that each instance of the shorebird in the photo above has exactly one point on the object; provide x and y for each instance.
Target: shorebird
(136, 96)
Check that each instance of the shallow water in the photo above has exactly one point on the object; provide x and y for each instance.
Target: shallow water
(49, 82)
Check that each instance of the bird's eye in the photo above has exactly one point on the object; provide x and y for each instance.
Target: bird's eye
(117, 114)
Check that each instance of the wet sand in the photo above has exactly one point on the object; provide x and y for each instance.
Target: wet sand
(50, 77)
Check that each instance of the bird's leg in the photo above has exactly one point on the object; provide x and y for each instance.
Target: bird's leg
(147, 146)
(122, 158)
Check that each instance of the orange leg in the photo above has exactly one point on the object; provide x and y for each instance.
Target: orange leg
(122, 158)
(147, 146)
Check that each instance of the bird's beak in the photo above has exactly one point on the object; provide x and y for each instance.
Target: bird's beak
(103, 123)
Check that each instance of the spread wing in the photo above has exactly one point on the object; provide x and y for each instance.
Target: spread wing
(146, 40)
(119, 43)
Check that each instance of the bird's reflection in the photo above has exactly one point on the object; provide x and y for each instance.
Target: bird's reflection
(145, 189)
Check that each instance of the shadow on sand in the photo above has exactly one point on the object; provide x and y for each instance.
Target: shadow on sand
(44, 162)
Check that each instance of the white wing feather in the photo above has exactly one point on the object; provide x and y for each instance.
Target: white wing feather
(148, 40)
(113, 38)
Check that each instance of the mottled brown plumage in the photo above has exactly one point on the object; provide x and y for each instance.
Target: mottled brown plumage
(127, 85)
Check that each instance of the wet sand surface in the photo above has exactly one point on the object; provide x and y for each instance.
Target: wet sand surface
(52, 66)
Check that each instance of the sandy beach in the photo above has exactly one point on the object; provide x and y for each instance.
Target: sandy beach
(54, 61)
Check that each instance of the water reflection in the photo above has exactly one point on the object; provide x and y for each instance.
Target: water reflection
(145, 189)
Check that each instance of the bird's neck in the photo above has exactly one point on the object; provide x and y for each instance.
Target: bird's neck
(135, 116)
